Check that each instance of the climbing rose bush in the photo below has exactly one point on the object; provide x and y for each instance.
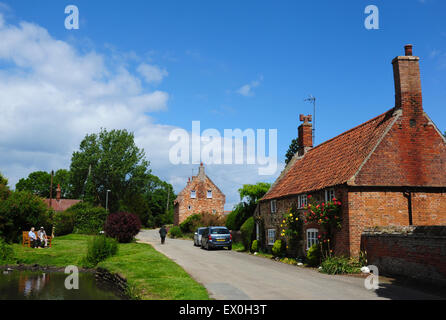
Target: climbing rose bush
(324, 214)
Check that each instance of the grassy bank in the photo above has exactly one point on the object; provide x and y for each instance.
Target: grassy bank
(150, 274)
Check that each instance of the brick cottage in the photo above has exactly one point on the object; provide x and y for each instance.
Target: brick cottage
(390, 170)
(199, 196)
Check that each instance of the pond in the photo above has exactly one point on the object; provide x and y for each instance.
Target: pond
(44, 285)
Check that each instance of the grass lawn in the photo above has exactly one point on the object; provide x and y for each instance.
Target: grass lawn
(150, 274)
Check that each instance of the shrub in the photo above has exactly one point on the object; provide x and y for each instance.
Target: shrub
(6, 252)
(123, 226)
(87, 218)
(21, 211)
(63, 223)
(230, 220)
(247, 231)
(255, 246)
(211, 219)
(340, 265)
(190, 224)
(279, 248)
(175, 232)
(314, 255)
(99, 249)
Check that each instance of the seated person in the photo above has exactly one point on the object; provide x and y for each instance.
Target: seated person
(42, 237)
(34, 241)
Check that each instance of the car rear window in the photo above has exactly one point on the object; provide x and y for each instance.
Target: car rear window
(201, 231)
(219, 231)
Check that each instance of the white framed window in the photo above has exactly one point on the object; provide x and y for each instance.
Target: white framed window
(273, 206)
(329, 194)
(193, 194)
(312, 234)
(271, 236)
(302, 201)
(209, 194)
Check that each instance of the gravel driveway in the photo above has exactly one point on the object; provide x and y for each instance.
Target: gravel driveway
(240, 276)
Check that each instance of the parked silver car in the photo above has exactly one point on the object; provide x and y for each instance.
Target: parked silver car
(197, 236)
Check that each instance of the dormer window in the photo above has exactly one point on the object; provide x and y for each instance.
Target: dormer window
(209, 194)
(193, 195)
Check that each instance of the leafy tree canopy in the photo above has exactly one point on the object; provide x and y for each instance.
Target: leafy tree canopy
(254, 192)
(39, 183)
(109, 160)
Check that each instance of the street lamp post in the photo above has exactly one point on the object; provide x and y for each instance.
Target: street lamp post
(106, 200)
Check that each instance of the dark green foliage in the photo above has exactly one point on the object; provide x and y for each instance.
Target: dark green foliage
(294, 146)
(314, 255)
(39, 183)
(279, 248)
(21, 211)
(6, 253)
(156, 195)
(190, 224)
(4, 189)
(63, 223)
(247, 230)
(255, 246)
(109, 160)
(175, 232)
(250, 194)
(123, 226)
(99, 249)
(87, 218)
(340, 265)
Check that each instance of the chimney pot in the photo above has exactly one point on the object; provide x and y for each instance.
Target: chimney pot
(408, 50)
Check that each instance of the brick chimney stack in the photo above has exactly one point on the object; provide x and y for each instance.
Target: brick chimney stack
(305, 135)
(406, 72)
(201, 173)
(58, 191)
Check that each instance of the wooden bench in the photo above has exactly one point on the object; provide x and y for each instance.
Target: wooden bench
(26, 242)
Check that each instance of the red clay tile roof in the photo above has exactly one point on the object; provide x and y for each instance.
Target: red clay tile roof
(333, 162)
(62, 204)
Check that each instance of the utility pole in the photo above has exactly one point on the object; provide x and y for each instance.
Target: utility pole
(51, 187)
(313, 100)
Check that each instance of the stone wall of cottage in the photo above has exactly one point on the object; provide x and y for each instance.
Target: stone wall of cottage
(187, 206)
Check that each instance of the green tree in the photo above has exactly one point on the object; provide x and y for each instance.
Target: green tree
(253, 192)
(157, 194)
(294, 146)
(250, 194)
(21, 211)
(39, 183)
(4, 189)
(109, 160)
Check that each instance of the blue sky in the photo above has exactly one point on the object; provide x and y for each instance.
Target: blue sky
(229, 64)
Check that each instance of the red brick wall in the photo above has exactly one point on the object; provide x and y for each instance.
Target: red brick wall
(419, 252)
(384, 208)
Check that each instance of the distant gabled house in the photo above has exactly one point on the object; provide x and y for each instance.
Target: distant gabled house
(199, 196)
(59, 204)
(390, 170)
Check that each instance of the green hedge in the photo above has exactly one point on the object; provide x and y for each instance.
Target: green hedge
(314, 255)
(63, 223)
(87, 218)
(340, 265)
(6, 253)
(175, 232)
(279, 248)
(247, 230)
(190, 224)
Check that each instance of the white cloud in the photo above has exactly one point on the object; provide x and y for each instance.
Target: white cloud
(247, 89)
(51, 96)
(151, 73)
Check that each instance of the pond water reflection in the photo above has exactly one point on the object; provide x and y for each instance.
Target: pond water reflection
(39, 285)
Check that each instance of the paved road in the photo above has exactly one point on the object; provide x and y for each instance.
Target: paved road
(240, 276)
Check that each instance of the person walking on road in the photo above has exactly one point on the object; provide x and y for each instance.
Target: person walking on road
(163, 233)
